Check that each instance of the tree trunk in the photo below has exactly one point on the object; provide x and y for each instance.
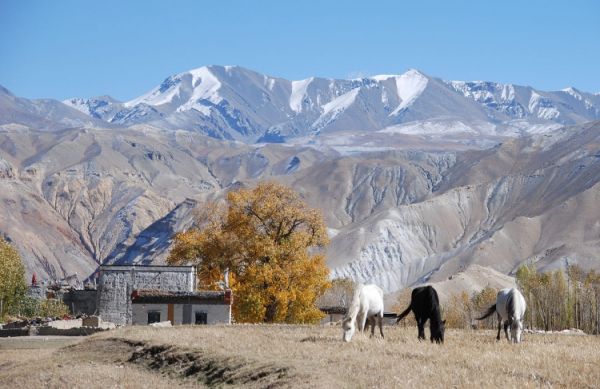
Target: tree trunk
(271, 312)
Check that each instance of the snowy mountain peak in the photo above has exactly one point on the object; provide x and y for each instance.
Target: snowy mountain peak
(409, 73)
(415, 73)
(184, 88)
(235, 103)
(573, 92)
(409, 87)
(101, 107)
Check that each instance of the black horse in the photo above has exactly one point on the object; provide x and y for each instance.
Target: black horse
(425, 304)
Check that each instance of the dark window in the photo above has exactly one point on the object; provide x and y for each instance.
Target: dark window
(201, 317)
(153, 317)
(187, 314)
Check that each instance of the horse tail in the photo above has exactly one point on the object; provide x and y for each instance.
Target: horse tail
(488, 313)
(403, 314)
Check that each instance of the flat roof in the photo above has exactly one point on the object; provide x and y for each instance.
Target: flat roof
(184, 268)
(152, 296)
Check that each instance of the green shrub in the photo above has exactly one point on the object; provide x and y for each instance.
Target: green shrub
(29, 307)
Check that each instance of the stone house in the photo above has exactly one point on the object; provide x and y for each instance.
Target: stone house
(117, 283)
(202, 307)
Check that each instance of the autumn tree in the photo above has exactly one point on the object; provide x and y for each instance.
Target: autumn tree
(12, 277)
(268, 240)
(561, 299)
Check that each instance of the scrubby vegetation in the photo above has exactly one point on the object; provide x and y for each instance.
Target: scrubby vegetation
(462, 309)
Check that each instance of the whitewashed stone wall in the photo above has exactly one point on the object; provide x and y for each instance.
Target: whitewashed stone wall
(116, 283)
(215, 313)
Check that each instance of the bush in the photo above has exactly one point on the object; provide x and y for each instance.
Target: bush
(29, 307)
(461, 310)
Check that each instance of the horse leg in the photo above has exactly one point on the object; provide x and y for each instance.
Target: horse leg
(361, 320)
(380, 322)
(506, 325)
(421, 326)
(372, 321)
(499, 327)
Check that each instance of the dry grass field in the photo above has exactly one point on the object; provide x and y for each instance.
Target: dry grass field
(301, 356)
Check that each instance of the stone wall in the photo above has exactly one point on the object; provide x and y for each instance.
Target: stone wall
(11, 332)
(116, 283)
(81, 301)
(78, 331)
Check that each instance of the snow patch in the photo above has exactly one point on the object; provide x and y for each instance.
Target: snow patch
(269, 82)
(545, 107)
(432, 127)
(336, 106)
(409, 86)
(508, 92)
(573, 92)
(79, 104)
(341, 103)
(205, 85)
(298, 92)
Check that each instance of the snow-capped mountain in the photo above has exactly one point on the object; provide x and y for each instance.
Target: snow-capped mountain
(412, 208)
(235, 103)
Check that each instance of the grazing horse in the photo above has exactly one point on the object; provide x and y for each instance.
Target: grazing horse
(367, 304)
(510, 306)
(425, 304)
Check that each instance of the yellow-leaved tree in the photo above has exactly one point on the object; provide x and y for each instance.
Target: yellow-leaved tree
(12, 277)
(270, 241)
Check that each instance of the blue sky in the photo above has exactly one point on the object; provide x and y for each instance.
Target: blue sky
(63, 49)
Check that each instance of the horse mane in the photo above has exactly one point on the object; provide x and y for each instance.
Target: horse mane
(355, 304)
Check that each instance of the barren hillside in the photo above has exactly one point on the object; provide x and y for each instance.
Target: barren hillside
(76, 198)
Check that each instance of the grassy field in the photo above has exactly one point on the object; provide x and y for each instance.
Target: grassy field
(299, 356)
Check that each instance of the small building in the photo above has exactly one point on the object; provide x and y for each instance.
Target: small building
(336, 314)
(333, 314)
(203, 307)
(116, 284)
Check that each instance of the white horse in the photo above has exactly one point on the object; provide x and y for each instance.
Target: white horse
(510, 306)
(367, 304)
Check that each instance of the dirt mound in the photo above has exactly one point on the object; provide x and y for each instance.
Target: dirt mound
(198, 365)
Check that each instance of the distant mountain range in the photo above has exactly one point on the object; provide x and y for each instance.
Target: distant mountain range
(418, 178)
(230, 102)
